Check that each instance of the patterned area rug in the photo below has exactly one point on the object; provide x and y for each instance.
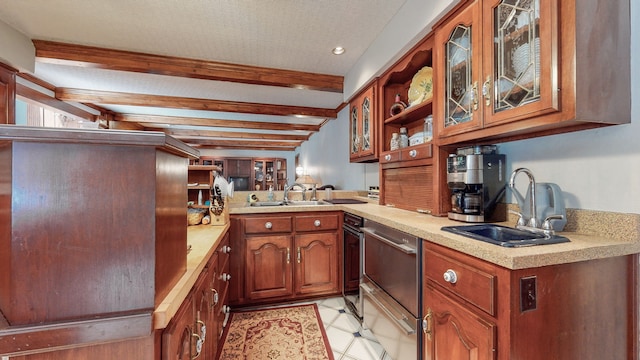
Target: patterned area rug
(287, 333)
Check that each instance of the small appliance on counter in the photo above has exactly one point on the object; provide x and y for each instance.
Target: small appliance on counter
(477, 180)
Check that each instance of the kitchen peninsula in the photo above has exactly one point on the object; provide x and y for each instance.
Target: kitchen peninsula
(573, 285)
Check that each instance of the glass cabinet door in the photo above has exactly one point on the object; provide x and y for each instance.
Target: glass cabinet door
(458, 46)
(366, 125)
(355, 137)
(519, 74)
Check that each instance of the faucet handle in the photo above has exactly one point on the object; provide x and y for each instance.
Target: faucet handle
(546, 224)
(521, 220)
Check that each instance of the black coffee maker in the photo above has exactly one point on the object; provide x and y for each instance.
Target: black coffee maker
(477, 183)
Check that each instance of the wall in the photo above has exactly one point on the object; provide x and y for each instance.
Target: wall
(326, 157)
(16, 49)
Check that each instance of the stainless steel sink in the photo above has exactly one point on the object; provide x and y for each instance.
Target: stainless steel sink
(290, 203)
(306, 202)
(504, 236)
(267, 203)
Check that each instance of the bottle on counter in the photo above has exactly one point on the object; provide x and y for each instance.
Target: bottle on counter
(404, 137)
(270, 196)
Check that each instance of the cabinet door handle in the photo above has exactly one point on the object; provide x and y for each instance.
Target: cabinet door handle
(288, 256)
(214, 296)
(474, 96)
(413, 153)
(203, 330)
(426, 324)
(299, 256)
(317, 223)
(198, 346)
(225, 277)
(268, 225)
(226, 249)
(486, 91)
(387, 157)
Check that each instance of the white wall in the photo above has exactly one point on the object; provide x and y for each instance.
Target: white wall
(326, 157)
(16, 49)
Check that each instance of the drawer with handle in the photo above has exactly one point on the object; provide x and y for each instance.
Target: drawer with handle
(317, 222)
(473, 282)
(271, 224)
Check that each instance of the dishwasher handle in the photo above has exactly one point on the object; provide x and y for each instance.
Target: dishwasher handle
(397, 318)
(402, 247)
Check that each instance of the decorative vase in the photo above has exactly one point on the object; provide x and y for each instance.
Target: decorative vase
(397, 106)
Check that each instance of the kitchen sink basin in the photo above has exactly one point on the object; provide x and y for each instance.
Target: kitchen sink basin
(306, 202)
(267, 203)
(504, 236)
(290, 203)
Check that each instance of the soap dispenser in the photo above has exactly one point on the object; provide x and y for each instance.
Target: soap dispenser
(270, 196)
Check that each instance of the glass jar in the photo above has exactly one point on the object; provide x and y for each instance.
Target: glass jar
(428, 128)
(395, 142)
(404, 137)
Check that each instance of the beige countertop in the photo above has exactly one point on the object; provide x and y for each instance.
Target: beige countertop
(203, 240)
(581, 247)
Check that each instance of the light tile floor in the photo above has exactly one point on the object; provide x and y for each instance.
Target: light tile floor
(348, 340)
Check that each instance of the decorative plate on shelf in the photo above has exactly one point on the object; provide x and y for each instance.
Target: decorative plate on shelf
(421, 87)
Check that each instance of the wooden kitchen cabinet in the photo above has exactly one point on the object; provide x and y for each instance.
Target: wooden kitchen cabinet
(196, 329)
(509, 72)
(200, 180)
(363, 125)
(454, 331)
(269, 173)
(7, 94)
(477, 310)
(409, 176)
(287, 256)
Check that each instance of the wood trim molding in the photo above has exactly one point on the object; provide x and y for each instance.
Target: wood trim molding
(240, 124)
(199, 134)
(36, 96)
(131, 99)
(78, 55)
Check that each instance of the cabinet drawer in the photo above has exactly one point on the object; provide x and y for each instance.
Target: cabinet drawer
(271, 224)
(473, 284)
(416, 152)
(317, 222)
(389, 157)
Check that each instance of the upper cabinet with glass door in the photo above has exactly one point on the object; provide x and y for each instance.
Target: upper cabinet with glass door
(519, 73)
(507, 73)
(362, 127)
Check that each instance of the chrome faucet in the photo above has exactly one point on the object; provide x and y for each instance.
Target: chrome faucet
(289, 188)
(533, 221)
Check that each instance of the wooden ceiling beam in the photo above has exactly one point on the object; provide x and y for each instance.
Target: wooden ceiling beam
(241, 147)
(241, 143)
(163, 101)
(240, 124)
(188, 135)
(89, 56)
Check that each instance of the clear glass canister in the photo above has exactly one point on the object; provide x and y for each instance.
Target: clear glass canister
(404, 137)
(395, 142)
(428, 128)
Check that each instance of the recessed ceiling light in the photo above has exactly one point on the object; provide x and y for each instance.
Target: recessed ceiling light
(339, 50)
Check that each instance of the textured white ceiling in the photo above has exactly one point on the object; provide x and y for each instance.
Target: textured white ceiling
(283, 34)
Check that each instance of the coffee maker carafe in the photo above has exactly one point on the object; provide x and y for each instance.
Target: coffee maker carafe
(477, 183)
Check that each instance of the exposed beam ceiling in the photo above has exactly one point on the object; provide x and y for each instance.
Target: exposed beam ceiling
(239, 67)
(90, 56)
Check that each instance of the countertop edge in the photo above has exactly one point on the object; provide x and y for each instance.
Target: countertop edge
(203, 240)
(582, 247)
